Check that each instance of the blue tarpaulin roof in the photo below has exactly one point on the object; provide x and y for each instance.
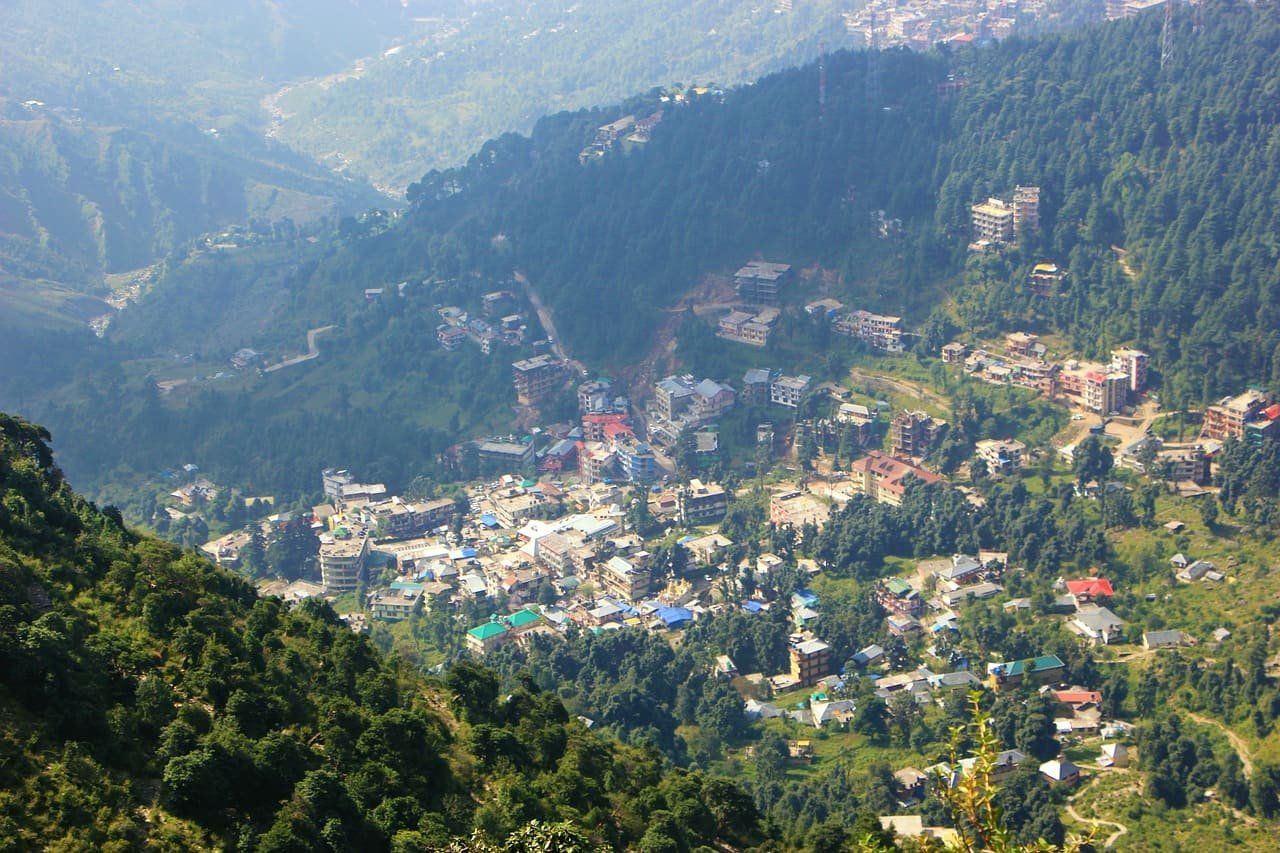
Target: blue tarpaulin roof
(672, 616)
(753, 606)
(488, 519)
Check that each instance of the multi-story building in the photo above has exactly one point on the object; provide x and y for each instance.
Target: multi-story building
(954, 353)
(881, 331)
(396, 518)
(789, 390)
(1181, 464)
(1026, 210)
(1228, 417)
(1094, 387)
(759, 282)
(914, 434)
(534, 377)
(755, 385)
(885, 479)
(1020, 343)
(673, 397)
(1133, 364)
(744, 328)
(701, 503)
(810, 661)
(399, 602)
(483, 639)
(516, 454)
(1044, 279)
(637, 461)
(1116, 9)
(595, 461)
(1003, 456)
(993, 221)
(898, 596)
(342, 559)
(512, 510)
(594, 397)
(334, 479)
(623, 579)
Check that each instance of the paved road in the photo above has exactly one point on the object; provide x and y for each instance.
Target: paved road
(549, 325)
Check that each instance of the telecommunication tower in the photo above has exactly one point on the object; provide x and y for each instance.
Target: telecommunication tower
(873, 62)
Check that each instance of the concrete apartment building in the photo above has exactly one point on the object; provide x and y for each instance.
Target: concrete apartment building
(1003, 456)
(810, 661)
(342, 559)
(993, 221)
(1094, 387)
(885, 479)
(623, 579)
(701, 502)
(755, 385)
(1026, 210)
(534, 377)
(881, 331)
(760, 282)
(1133, 364)
(744, 328)
(914, 434)
(398, 603)
(789, 390)
(1228, 417)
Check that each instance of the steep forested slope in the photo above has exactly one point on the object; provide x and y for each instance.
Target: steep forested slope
(148, 699)
(1176, 167)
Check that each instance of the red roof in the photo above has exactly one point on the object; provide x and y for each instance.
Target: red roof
(1272, 412)
(1092, 588)
(1077, 697)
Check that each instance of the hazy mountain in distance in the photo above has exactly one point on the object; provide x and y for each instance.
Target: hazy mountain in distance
(127, 128)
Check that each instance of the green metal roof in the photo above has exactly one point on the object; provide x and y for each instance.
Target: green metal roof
(898, 586)
(1018, 667)
(487, 631)
(521, 618)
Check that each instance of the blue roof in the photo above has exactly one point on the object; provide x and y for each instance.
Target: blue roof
(488, 519)
(808, 596)
(468, 552)
(753, 606)
(672, 616)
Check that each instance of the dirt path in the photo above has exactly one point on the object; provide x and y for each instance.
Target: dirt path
(313, 351)
(900, 386)
(1237, 742)
(1121, 829)
(1122, 257)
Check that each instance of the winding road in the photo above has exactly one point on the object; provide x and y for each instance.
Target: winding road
(312, 351)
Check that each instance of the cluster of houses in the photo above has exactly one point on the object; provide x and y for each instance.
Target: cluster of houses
(501, 323)
(922, 24)
(627, 129)
(1095, 387)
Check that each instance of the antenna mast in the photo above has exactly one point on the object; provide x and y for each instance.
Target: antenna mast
(873, 63)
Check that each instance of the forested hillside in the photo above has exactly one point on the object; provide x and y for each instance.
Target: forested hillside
(128, 128)
(1170, 171)
(433, 102)
(148, 699)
